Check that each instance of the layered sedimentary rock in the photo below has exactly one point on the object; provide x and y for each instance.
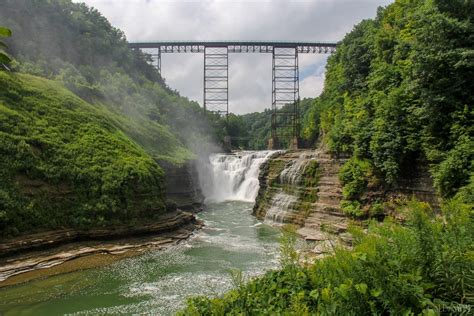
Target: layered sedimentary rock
(325, 216)
(182, 185)
(418, 185)
(302, 188)
(171, 229)
(285, 192)
(51, 248)
(165, 223)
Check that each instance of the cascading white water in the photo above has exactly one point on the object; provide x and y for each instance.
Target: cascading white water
(235, 176)
(281, 204)
(284, 203)
(293, 172)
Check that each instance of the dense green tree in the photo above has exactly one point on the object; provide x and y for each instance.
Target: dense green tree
(256, 127)
(398, 92)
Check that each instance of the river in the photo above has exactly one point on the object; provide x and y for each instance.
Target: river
(159, 282)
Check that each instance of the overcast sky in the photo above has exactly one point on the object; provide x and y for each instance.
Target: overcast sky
(249, 74)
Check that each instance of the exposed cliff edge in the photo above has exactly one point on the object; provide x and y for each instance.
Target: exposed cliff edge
(303, 188)
(32, 252)
(182, 185)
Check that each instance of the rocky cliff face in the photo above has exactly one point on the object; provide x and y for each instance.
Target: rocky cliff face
(182, 185)
(325, 216)
(42, 250)
(285, 193)
(303, 188)
(419, 185)
(310, 198)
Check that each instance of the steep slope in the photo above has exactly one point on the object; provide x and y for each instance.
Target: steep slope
(89, 145)
(74, 44)
(65, 163)
(398, 98)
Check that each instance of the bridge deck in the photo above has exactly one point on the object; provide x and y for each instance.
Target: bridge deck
(236, 46)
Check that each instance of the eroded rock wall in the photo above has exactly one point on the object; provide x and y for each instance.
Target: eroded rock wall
(182, 186)
(312, 199)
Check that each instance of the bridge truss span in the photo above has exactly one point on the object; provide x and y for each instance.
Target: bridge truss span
(285, 74)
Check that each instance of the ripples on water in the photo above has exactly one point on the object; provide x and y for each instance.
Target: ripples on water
(158, 282)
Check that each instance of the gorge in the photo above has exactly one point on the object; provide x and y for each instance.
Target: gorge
(121, 194)
(284, 184)
(230, 239)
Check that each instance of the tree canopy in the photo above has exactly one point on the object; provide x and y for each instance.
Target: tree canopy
(398, 92)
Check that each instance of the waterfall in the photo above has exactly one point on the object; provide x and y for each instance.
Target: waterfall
(284, 201)
(281, 205)
(294, 170)
(234, 176)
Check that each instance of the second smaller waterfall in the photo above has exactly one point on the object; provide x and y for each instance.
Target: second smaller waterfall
(293, 172)
(281, 204)
(284, 204)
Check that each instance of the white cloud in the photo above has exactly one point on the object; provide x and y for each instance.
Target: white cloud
(250, 75)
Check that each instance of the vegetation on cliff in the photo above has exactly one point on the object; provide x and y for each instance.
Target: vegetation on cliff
(66, 163)
(74, 44)
(4, 57)
(398, 94)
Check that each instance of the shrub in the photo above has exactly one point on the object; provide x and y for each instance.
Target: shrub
(451, 173)
(352, 208)
(425, 267)
(355, 176)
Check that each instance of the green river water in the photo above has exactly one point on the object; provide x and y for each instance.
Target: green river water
(157, 282)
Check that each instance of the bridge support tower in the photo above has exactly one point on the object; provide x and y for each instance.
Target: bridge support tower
(216, 79)
(285, 97)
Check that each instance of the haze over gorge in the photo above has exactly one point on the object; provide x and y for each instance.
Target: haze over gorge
(236, 157)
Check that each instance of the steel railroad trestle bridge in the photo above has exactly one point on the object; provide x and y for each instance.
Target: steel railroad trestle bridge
(285, 75)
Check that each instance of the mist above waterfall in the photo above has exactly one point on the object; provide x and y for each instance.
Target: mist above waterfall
(232, 176)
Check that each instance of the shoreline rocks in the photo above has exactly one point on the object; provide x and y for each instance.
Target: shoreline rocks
(49, 249)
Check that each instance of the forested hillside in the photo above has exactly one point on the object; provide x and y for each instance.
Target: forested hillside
(76, 45)
(398, 95)
(85, 123)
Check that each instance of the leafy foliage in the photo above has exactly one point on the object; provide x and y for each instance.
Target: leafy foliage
(398, 92)
(66, 163)
(425, 267)
(76, 45)
(355, 176)
(253, 130)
